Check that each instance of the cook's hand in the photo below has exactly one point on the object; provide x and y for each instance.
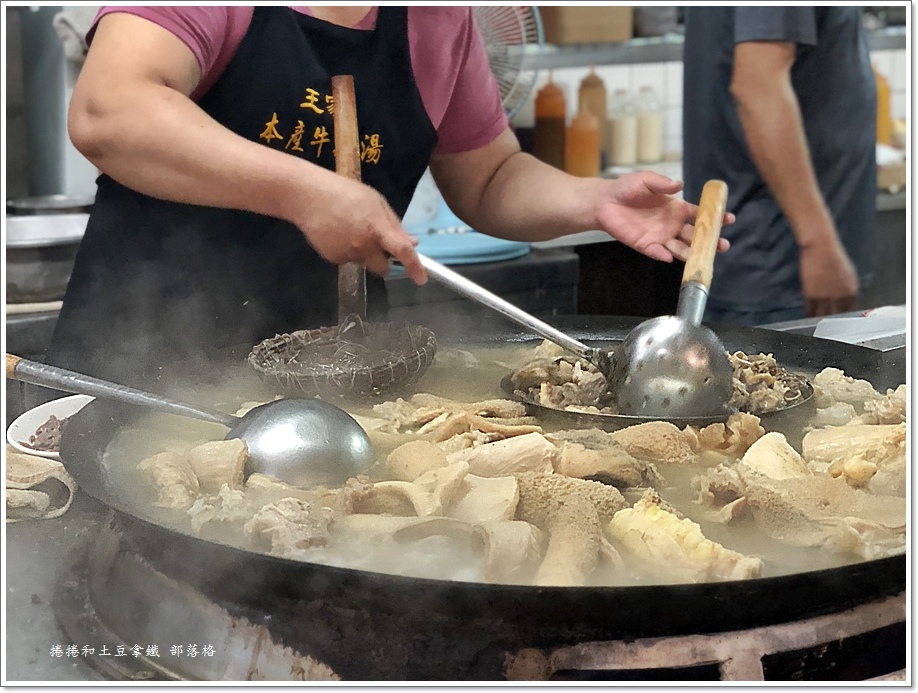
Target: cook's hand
(358, 225)
(828, 278)
(639, 210)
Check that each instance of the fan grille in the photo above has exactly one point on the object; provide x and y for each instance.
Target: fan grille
(509, 34)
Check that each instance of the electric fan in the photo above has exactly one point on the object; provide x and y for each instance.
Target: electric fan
(511, 35)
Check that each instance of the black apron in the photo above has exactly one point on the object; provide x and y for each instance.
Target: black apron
(161, 285)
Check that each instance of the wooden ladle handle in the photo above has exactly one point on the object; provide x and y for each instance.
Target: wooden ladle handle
(11, 363)
(699, 267)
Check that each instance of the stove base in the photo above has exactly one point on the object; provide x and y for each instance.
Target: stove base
(112, 597)
(863, 643)
(107, 597)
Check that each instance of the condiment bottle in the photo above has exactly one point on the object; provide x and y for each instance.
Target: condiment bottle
(649, 128)
(622, 130)
(550, 125)
(593, 93)
(884, 110)
(582, 156)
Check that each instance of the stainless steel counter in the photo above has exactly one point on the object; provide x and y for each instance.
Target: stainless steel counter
(886, 202)
(602, 260)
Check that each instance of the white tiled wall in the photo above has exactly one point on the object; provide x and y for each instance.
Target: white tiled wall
(666, 79)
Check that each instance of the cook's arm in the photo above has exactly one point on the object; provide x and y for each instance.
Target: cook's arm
(132, 117)
(501, 191)
(773, 126)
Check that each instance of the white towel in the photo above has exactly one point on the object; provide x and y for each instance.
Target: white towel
(71, 26)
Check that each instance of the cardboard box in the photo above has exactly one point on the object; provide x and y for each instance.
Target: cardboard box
(565, 25)
(891, 177)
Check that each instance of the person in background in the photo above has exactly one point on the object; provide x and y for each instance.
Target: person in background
(780, 103)
(219, 220)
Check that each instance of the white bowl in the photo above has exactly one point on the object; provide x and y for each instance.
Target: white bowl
(26, 424)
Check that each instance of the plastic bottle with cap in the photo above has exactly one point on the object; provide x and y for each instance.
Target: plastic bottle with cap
(550, 125)
(622, 129)
(650, 127)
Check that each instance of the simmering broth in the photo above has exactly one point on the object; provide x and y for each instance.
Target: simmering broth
(462, 376)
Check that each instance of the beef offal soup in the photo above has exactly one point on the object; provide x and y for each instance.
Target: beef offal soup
(468, 486)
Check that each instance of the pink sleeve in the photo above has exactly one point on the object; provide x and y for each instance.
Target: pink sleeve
(450, 65)
(454, 78)
(212, 33)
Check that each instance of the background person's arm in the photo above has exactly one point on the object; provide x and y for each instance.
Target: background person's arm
(132, 117)
(773, 125)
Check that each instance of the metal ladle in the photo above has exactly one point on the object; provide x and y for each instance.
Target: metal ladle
(673, 366)
(466, 287)
(303, 442)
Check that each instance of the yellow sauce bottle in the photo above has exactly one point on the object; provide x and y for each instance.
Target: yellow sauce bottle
(550, 125)
(884, 109)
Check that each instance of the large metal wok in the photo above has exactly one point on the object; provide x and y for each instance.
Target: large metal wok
(368, 625)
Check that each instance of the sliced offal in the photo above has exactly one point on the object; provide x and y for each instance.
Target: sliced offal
(658, 536)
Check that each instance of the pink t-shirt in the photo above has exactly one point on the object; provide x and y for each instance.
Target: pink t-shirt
(448, 57)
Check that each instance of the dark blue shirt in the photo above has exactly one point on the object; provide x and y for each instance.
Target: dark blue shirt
(834, 83)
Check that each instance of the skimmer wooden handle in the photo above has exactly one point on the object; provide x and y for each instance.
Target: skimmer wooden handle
(699, 267)
(352, 277)
(347, 138)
